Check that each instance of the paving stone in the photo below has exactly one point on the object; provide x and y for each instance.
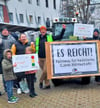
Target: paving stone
(69, 95)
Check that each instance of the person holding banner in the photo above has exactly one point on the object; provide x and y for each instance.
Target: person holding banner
(40, 49)
(17, 49)
(96, 36)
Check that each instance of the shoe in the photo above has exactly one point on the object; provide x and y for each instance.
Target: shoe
(41, 85)
(14, 97)
(33, 95)
(19, 91)
(13, 100)
(47, 87)
(26, 91)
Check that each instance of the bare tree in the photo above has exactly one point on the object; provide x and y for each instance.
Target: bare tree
(81, 9)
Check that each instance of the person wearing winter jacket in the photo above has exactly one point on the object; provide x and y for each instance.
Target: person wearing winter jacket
(19, 48)
(96, 36)
(30, 75)
(6, 40)
(9, 75)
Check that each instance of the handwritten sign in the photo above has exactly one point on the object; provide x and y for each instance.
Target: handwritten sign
(25, 62)
(81, 30)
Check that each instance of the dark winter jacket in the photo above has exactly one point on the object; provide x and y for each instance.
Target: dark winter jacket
(94, 37)
(42, 41)
(18, 48)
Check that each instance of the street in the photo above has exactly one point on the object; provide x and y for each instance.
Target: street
(69, 95)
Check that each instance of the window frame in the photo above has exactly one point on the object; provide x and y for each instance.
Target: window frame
(31, 19)
(11, 17)
(21, 17)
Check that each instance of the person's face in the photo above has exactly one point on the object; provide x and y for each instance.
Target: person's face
(5, 32)
(9, 55)
(96, 34)
(43, 32)
(23, 38)
(28, 51)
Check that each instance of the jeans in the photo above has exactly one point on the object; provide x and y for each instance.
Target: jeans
(9, 88)
(4, 84)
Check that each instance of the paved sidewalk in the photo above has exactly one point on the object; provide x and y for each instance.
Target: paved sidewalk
(69, 95)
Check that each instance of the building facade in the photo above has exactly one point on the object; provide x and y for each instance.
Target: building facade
(30, 13)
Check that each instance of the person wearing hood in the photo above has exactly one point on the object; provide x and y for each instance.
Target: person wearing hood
(96, 36)
(9, 75)
(17, 49)
(6, 40)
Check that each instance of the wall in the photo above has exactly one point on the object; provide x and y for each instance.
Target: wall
(27, 9)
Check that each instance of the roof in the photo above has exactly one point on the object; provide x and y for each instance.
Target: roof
(14, 28)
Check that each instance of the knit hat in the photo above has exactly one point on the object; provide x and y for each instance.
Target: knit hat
(3, 28)
(96, 30)
(43, 28)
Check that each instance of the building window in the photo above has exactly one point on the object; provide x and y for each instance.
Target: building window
(38, 2)
(54, 4)
(31, 19)
(1, 14)
(39, 20)
(46, 1)
(21, 18)
(30, 1)
(11, 17)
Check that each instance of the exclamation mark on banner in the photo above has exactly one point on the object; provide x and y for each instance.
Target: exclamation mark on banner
(33, 60)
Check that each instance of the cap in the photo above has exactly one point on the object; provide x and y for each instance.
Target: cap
(43, 28)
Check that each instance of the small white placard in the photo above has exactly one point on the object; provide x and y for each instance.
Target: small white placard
(81, 30)
(25, 62)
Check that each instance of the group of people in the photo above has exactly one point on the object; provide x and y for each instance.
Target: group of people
(10, 46)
